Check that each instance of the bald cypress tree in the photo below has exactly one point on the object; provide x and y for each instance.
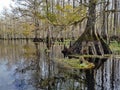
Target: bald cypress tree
(90, 42)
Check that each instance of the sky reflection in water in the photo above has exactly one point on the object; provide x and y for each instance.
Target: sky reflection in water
(27, 67)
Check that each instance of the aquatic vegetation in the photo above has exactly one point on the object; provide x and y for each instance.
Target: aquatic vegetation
(91, 56)
(115, 46)
(66, 42)
(76, 63)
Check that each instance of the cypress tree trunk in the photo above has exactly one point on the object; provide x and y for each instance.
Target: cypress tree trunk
(36, 22)
(115, 18)
(89, 42)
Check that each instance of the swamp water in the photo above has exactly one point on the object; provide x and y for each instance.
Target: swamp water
(29, 66)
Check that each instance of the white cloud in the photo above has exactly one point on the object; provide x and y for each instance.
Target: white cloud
(4, 4)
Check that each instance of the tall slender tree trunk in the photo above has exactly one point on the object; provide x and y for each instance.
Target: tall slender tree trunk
(36, 21)
(115, 18)
(103, 32)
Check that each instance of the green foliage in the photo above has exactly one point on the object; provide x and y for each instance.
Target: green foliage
(27, 29)
(66, 42)
(75, 63)
(115, 46)
(26, 33)
(63, 16)
(52, 17)
(67, 15)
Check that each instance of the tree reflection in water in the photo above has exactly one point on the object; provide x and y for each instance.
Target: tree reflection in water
(31, 67)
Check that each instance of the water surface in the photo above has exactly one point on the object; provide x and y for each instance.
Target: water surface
(27, 66)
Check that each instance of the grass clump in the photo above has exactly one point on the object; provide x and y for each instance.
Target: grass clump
(76, 63)
(115, 46)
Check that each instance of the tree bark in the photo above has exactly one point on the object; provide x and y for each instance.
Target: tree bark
(89, 42)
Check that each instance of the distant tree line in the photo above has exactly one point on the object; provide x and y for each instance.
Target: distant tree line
(59, 18)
